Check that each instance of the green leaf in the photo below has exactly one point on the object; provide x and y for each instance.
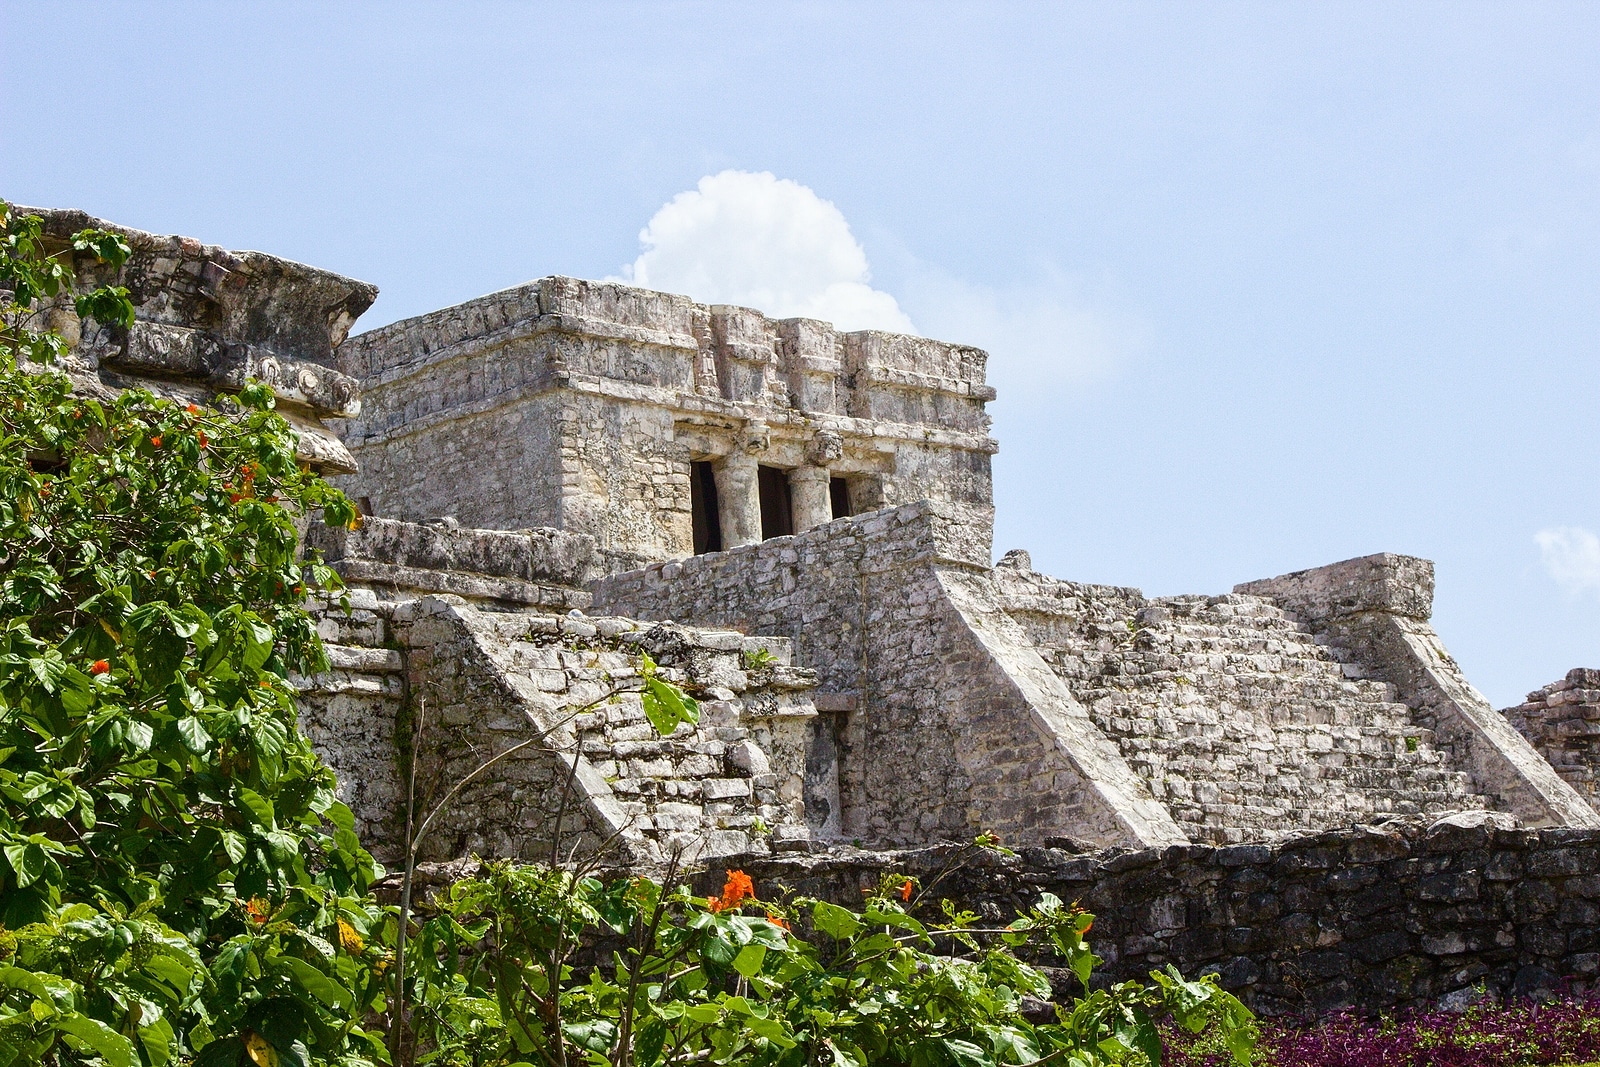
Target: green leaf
(257, 642)
(666, 706)
(1145, 1038)
(29, 862)
(966, 1054)
(194, 736)
(27, 981)
(834, 921)
(233, 844)
(115, 1049)
(158, 1040)
(748, 961)
(259, 807)
(316, 983)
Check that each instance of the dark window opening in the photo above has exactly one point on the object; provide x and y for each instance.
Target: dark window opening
(703, 504)
(777, 516)
(839, 497)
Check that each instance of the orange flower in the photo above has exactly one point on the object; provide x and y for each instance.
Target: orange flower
(257, 909)
(778, 920)
(155, 442)
(905, 890)
(193, 409)
(204, 440)
(100, 667)
(734, 890)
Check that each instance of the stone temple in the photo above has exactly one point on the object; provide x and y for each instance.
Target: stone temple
(797, 522)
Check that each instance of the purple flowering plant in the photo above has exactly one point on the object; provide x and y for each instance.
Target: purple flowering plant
(1522, 1033)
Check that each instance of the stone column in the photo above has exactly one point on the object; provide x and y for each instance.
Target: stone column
(739, 499)
(808, 495)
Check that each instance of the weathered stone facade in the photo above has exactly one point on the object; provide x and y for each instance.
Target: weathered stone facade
(459, 644)
(796, 524)
(584, 406)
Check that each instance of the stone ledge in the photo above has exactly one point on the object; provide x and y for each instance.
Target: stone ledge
(1386, 582)
(539, 556)
(458, 583)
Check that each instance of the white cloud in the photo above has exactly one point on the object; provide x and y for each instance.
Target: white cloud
(1571, 556)
(764, 242)
(771, 243)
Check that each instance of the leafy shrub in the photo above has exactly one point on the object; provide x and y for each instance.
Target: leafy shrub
(176, 876)
(678, 979)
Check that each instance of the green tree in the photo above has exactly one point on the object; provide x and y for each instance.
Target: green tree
(177, 878)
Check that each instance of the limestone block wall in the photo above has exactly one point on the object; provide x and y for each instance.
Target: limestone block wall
(945, 722)
(1396, 915)
(518, 676)
(1245, 725)
(1562, 721)
(206, 319)
(582, 405)
(470, 678)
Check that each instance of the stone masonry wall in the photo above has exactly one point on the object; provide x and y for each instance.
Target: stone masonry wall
(1244, 724)
(1562, 721)
(1394, 915)
(944, 721)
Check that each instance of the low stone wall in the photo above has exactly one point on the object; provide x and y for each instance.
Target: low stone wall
(1398, 915)
(1562, 721)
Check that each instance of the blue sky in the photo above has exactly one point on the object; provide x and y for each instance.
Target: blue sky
(1265, 285)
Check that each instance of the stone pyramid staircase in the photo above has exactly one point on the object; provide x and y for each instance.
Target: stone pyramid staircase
(1245, 724)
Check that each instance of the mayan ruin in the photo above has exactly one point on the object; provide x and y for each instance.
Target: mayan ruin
(797, 524)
